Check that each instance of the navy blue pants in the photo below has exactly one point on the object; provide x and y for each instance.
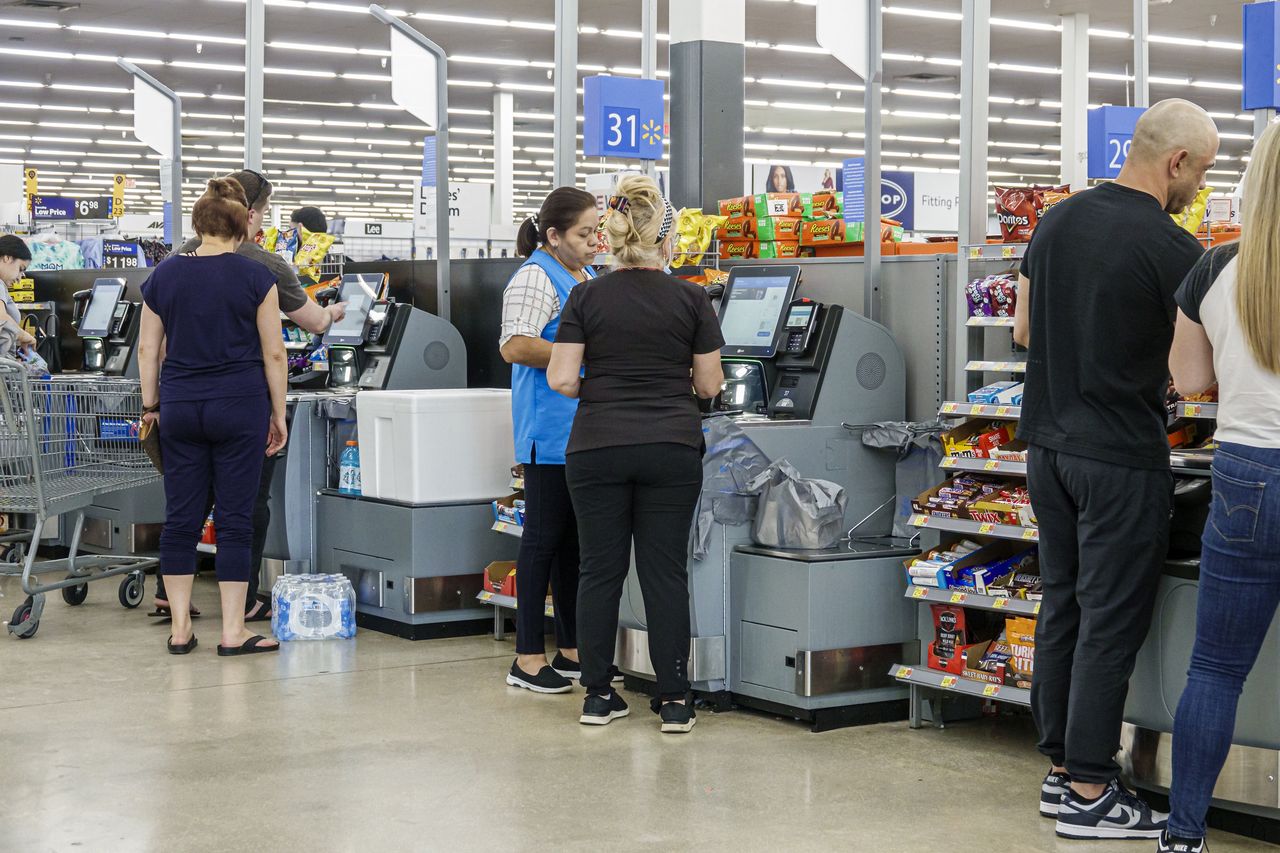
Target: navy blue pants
(218, 443)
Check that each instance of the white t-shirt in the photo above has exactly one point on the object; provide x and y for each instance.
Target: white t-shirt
(1248, 393)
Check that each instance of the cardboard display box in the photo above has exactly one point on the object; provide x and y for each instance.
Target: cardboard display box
(500, 578)
(760, 228)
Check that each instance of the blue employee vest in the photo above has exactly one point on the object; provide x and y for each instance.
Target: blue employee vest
(539, 415)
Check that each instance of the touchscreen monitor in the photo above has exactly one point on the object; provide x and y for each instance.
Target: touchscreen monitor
(350, 329)
(753, 308)
(98, 315)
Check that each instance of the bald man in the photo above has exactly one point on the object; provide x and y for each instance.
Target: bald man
(1096, 310)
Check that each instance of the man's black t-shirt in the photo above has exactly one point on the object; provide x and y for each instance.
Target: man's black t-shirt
(641, 329)
(1104, 266)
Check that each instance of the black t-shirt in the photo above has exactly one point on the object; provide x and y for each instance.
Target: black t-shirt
(1104, 266)
(641, 329)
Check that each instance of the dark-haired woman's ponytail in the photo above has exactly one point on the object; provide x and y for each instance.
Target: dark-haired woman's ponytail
(527, 237)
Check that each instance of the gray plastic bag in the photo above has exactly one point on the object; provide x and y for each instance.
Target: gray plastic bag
(731, 461)
(796, 512)
(919, 452)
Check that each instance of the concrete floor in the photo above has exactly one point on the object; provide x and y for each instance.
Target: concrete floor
(380, 744)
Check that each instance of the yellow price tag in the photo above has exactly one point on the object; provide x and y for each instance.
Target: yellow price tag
(1193, 411)
(1031, 533)
(919, 520)
(991, 690)
(949, 462)
(486, 596)
(992, 465)
(948, 682)
(975, 252)
(1036, 611)
(985, 529)
(999, 603)
(958, 597)
(920, 592)
(1008, 252)
(903, 672)
(1001, 411)
(500, 526)
(950, 408)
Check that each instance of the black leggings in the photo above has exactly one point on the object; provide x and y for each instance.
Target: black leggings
(647, 492)
(548, 552)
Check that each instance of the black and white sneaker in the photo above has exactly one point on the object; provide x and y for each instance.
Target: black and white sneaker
(1116, 814)
(567, 668)
(677, 718)
(546, 681)
(1052, 790)
(1169, 844)
(603, 710)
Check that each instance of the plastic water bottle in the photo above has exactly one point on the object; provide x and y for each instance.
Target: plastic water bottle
(349, 469)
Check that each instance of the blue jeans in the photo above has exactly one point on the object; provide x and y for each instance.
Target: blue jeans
(1239, 592)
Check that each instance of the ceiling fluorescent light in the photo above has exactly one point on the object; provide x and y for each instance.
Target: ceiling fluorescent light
(923, 13)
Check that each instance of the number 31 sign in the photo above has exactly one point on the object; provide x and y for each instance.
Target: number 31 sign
(622, 117)
(1110, 137)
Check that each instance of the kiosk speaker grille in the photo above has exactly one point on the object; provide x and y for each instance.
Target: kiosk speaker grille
(871, 371)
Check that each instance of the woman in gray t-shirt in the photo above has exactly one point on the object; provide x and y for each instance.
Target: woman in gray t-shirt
(14, 257)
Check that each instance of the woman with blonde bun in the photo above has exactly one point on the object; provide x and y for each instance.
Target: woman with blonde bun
(650, 344)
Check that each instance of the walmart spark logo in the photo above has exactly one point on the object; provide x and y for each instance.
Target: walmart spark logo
(650, 132)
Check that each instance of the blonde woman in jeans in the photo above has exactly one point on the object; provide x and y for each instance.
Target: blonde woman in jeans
(1229, 332)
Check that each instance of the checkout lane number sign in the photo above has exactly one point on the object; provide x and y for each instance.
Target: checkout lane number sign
(623, 117)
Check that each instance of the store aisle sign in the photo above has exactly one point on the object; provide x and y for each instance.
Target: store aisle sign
(470, 208)
(1261, 63)
(1110, 138)
(63, 208)
(623, 117)
(921, 201)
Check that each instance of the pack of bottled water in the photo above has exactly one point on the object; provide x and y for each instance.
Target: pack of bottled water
(313, 607)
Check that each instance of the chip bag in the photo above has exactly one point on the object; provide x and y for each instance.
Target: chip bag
(694, 232)
(311, 251)
(1193, 217)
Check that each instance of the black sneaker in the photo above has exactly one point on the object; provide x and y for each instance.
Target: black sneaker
(1052, 789)
(567, 668)
(603, 710)
(1169, 844)
(1116, 814)
(677, 717)
(546, 681)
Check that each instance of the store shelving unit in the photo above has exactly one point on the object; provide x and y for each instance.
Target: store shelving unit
(990, 322)
(501, 603)
(1198, 411)
(969, 527)
(983, 466)
(919, 677)
(994, 603)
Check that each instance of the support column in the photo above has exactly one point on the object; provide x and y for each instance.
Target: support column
(1075, 100)
(1141, 57)
(649, 56)
(872, 99)
(565, 106)
(975, 85)
(254, 39)
(503, 158)
(708, 60)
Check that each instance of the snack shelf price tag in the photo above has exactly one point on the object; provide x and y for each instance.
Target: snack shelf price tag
(948, 682)
(903, 672)
(999, 603)
(500, 526)
(991, 690)
(1036, 611)
(985, 528)
(486, 596)
(920, 592)
(1031, 533)
(1001, 411)
(1008, 252)
(958, 597)
(992, 465)
(1193, 411)
(919, 520)
(975, 252)
(950, 409)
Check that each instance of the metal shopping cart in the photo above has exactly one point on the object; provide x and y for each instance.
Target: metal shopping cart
(63, 442)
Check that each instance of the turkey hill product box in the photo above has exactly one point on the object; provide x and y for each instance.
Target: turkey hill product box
(738, 207)
(500, 578)
(1020, 636)
(765, 228)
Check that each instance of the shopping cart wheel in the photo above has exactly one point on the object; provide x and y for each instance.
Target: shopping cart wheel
(131, 590)
(25, 621)
(75, 595)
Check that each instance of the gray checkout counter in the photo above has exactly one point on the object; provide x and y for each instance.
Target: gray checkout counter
(805, 634)
(415, 569)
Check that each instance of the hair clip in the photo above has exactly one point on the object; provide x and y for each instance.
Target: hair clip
(668, 219)
(619, 203)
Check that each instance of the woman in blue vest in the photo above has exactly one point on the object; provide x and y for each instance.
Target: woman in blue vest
(560, 243)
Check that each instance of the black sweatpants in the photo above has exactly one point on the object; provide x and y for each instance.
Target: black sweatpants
(261, 523)
(1104, 536)
(645, 492)
(548, 552)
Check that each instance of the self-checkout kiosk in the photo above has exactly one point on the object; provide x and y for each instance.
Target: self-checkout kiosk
(379, 345)
(107, 324)
(799, 631)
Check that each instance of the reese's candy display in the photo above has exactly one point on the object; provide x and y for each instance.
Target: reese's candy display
(739, 206)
